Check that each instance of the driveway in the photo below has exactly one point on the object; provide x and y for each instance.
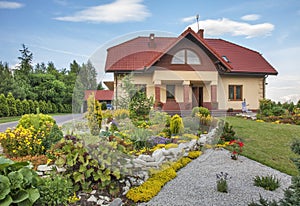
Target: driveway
(60, 120)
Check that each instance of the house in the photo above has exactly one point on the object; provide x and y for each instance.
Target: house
(100, 95)
(190, 70)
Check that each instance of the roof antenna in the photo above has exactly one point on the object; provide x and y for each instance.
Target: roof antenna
(197, 18)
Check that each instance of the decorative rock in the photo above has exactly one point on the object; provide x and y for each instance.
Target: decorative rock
(44, 168)
(93, 192)
(175, 151)
(192, 144)
(139, 161)
(125, 189)
(116, 202)
(146, 158)
(104, 198)
(92, 198)
(40, 173)
(166, 152)
(158, 154)
(60, 169)
(100, 202)
(183, 145)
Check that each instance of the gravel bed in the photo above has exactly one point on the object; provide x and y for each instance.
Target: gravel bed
(195, 184)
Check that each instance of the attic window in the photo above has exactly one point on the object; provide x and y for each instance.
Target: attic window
(185, 56)
(225, 58)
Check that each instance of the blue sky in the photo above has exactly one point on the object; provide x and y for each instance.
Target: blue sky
(63, 30)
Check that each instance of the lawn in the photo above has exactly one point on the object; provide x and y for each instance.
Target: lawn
(13, 119)
(267, 143)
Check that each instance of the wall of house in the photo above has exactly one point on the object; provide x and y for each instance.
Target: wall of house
(252, 92)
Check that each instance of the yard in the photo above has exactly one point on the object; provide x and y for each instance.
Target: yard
(267, 143)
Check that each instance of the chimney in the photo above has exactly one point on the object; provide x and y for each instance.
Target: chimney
(151, 37)
(151, 43)
(201, 33)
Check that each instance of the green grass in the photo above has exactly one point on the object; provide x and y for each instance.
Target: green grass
(13, 119)
(267, 143)
(9, 119)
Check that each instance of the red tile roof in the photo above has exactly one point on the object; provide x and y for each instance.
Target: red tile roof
(102, 95)
(136, 54)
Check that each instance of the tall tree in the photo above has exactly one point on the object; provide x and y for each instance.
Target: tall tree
(26, 60)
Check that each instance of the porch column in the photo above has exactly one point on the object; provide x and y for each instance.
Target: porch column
(186, 93)
(213, 90)
(157, 85)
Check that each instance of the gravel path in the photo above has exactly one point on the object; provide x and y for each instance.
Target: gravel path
(195, 184)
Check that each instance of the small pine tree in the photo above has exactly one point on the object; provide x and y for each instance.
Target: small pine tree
(36, 107)
(11, 104)
(228, 133)
(4, 109)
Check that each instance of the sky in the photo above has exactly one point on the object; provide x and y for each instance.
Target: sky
(65, 30)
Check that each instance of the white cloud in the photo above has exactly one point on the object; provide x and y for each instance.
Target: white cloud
(10, 5)
(218, 27)
(188, 19)
(250, 17)
(115, 12)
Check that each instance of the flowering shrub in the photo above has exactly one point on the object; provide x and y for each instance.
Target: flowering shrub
(155, 140)
(235, 147)
(22, 142)
(34, 134)
(120, 114)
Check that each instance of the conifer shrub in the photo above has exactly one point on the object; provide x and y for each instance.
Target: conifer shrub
(94, 115)
(4, 109)
(176, 125)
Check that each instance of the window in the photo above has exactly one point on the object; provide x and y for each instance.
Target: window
(170, 92)
(185, 56)
(235, 92)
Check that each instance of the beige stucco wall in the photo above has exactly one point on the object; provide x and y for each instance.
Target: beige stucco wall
(170, 75)
(252, 91)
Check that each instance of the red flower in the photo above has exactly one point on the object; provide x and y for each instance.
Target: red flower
(241, 144)
(234, 152)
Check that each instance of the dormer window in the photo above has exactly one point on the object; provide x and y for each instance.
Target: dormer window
(185, 56)
(225, 58)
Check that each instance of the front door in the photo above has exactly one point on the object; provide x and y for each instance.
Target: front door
(197, 96)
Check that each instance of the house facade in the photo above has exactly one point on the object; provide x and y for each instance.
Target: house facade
(190, 70)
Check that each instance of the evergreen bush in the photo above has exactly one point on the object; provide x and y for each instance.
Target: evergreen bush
(176, 125)
(4, 109)
(11, 104)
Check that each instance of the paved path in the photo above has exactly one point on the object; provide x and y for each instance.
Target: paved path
(60, 119)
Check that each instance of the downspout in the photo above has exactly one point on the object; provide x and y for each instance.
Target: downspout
(264, 86)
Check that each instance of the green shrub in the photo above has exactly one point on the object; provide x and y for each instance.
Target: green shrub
(227, 133)
(32, 107)
(4, 109)
(17, 183)
(103, 106)
(19, 106)
(54, 190)
(26, 106)
(140, 106)
(202, 110)
(176, 125)
(222, 185)
(139, 138)
(11, 104)
(267, 182)
(90, 166)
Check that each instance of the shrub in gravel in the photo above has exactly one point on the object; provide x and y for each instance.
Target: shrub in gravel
(267, 182)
